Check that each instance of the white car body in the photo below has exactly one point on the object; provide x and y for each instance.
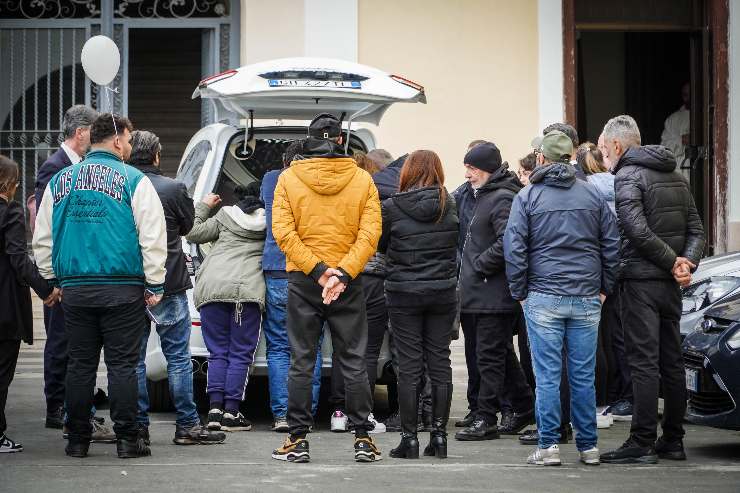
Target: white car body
(285, 89)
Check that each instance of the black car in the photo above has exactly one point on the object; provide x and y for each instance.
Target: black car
(712, 360)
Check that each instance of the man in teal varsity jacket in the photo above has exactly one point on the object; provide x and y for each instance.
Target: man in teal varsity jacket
(101, 235)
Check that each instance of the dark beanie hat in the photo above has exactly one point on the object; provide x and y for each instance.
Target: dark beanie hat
(484, 156)
(325, 126)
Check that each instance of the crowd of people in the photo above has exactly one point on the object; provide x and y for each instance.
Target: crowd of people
(581, 253)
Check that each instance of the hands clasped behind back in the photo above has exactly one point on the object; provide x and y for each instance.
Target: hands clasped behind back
(333, 287)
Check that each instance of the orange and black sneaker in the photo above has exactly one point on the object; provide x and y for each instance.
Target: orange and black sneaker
(366, 450)
(293, 450)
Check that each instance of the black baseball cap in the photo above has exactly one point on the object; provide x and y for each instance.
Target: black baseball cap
(325, 126)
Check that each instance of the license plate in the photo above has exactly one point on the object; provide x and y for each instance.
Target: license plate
(343, 84)
(692, 380)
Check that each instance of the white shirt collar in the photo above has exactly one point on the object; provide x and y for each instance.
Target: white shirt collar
(72, 155)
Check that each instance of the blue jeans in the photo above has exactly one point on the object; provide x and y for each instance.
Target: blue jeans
(278, 348)
(174, 336)
(551, 321)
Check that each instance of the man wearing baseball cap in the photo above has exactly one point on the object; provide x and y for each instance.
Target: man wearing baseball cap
(487, 310)
(326, 219)
(561, 250)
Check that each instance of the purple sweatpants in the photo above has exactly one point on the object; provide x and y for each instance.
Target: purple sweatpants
(231, 337)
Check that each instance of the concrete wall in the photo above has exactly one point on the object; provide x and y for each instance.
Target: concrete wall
(733, 193)
(478, 62)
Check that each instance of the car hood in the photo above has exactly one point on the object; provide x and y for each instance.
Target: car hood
(237, 92)
(727, 264)
(726, 310)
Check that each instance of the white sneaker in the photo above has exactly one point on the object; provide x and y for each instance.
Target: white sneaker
(8, 446)
(338, 422)
(378, 427)
(545, 456)
(591, 457)
(604, 421)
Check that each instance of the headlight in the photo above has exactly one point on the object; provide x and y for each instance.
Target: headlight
(734, 341)
(707, 292)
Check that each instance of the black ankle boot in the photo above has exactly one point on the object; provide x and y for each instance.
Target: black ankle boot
(408, 402)
(441, 400)
(130, 448)
(77, 448)
(408, 448)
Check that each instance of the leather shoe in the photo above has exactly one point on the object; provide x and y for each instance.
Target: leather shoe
(466, 421)
(77, 449)
(479, 430)
(532, 437)
(130, 448)
(513, 423)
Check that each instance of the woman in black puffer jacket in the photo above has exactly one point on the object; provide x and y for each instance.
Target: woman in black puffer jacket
(420, 237)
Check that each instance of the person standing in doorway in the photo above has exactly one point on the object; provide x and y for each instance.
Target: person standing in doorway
(172, 314)
(561, 247)
(675, 136)
(111, 212)
(17, 272)
(326, 218)
(662, 240)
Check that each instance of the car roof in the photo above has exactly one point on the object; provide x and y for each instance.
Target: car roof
(237, 92)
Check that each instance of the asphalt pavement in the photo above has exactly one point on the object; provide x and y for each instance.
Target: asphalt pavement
(243, 463)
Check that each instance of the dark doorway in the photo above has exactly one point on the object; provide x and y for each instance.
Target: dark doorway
(164, 69)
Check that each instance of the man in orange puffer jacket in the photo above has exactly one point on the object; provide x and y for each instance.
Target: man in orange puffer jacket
(326, 219)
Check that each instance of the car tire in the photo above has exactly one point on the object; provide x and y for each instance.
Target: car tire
(159, 396)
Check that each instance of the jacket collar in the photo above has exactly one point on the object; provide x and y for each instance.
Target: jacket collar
(149, 169)
(102, 153)
(501, 178)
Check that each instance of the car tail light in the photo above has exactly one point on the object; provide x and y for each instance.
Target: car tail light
(409, 83)
(195, 324)
(217, 77)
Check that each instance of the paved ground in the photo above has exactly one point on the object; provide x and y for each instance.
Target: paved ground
(243, 463)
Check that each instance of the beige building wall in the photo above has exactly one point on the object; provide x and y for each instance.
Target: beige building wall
(271, 29)
(478, 62)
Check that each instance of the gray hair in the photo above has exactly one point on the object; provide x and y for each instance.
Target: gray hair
(622, 128)
(381, 157)
(144, 148)
(78, 116)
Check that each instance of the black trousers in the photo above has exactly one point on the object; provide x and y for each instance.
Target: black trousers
(118, 330)
(471, 362)
(620, 377)
(55, 357)
(528, 370)
(498, 365)
(8, 358)
(423, 333)
(377, 325)
(651, 311)
(347, 322)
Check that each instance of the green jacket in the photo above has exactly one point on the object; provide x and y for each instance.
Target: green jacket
(232, 269)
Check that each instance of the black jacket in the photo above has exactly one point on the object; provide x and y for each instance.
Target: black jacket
(17, 272)
(421, 247)
(483, 286)
(657, 215)
(179, 213)
(55, 163)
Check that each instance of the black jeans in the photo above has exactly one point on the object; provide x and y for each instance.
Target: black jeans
(423, 332)
(55, 357)
(471, 362)
(8, 358)
(347, 322)
(498, 365)
(651, 311)
(377, 325)
(118, 330)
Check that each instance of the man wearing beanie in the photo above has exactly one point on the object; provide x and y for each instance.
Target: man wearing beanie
(561, 248)
(486, 307)
(326, 219)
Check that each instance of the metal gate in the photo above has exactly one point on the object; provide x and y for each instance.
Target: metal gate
(42, 75)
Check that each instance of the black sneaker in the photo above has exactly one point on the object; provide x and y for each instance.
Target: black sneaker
(77, 449)
(393, 422)
(8, 446)
(671, 450)
(235, 423)
(631, 453)
(197, 435)
(132, 448)
(513, 423)
(532, 437)
(621, 411)
(55, 418)
(215, 416)
(479, 430)
(466, 421)
(144, 434)
(280, 424)
(294, 449)
(366, 450)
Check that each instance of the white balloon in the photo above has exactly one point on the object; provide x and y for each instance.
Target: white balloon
(100, 59)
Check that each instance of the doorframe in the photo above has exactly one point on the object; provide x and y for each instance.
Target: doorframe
(718, 31)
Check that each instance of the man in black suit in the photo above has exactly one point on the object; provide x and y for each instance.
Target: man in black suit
(76, 131)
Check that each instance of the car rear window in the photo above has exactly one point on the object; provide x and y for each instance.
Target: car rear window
(193, 164)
